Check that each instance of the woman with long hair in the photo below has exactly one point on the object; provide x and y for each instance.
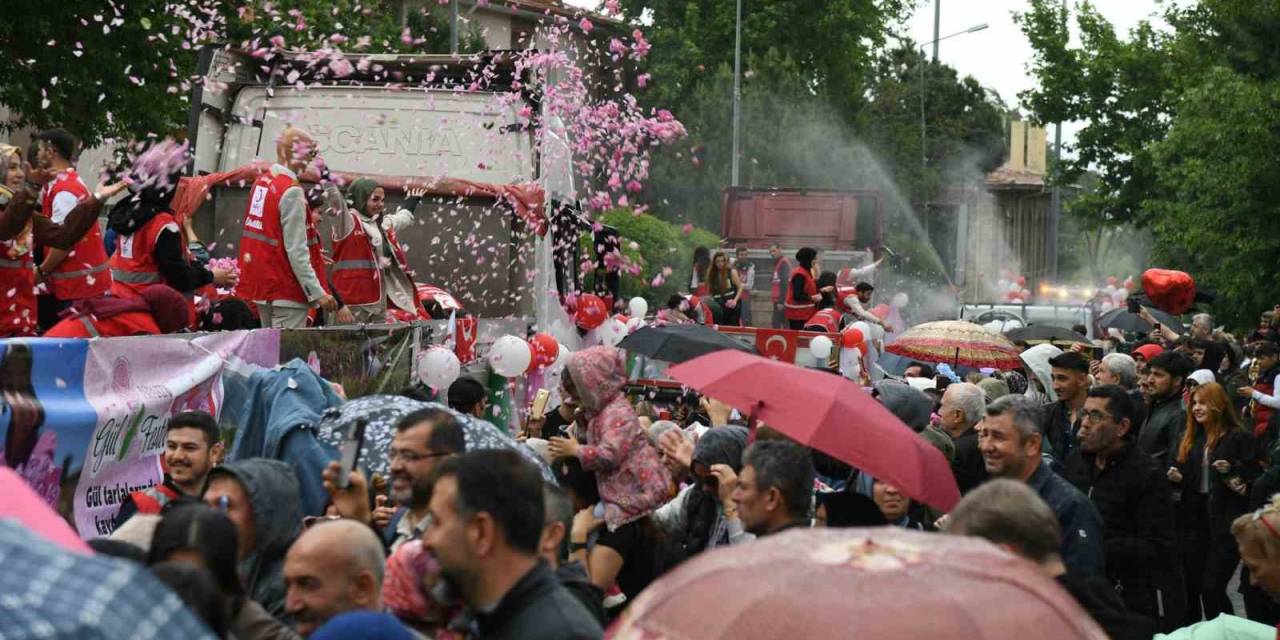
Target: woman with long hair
(1214, 466)
(725, 288)
(205, 537)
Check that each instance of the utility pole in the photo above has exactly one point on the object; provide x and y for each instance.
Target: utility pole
(453, 26)
(737, 93)
(1055, 193)
(937, 22)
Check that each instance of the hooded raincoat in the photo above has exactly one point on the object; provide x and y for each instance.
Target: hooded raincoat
(632, 480)
(277, 521)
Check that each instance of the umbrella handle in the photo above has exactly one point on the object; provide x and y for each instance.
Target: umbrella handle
(751, 422)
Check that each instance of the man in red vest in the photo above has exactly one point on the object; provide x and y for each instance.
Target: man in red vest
(781, 272)
(81, 272)
(282, 268)
(192, 447)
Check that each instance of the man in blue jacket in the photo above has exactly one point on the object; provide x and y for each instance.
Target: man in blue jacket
(1011, 443)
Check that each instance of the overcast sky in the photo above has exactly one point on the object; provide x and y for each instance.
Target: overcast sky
(997, 56)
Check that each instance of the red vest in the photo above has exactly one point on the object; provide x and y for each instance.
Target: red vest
(827, 320)
(84, 273)
(153, 498)
(357, 272)
(780, 269)
(265, 273)
(129, 323)
(133, 265)
(842, 294)
(801, 310)
(17, 287)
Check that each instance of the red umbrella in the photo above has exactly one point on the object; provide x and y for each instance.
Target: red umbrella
(885, 582)
(830, 414)
(29, 509)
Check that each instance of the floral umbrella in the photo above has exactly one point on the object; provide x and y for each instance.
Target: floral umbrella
(884, 582)
(958, 343)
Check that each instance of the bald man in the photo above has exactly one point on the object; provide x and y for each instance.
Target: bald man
(334, 567)
(281, 264)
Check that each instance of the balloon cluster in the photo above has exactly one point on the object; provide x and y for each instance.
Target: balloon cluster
(1013, 287)
(853, 344)
(511, 357)
(1115, 292)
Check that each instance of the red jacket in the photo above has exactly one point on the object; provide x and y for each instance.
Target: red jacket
(83, 274)
(265, 270)
(801, 310)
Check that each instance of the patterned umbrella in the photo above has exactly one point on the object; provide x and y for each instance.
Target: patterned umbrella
(883, 582)
(382, 412)
(956, 342)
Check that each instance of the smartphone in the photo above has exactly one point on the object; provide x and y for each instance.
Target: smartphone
(1134, 306)
(941, 383)
(539, 409)
(351, 453)
(1097, 353)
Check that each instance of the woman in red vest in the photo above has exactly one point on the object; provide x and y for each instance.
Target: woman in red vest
(371, 272)
(151, 248)
(803, 295)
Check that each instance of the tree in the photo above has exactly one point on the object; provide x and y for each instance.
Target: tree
(124, 69)
(1179, 126)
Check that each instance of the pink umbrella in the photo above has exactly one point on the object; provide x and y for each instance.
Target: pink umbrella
(882, 583)
(22, 504)
(830, 414)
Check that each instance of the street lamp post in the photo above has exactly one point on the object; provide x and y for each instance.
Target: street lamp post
(737, 93)
(924, 156)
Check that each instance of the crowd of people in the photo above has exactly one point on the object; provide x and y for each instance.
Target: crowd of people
(1141, 481)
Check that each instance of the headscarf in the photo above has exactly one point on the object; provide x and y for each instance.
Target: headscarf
(358, 193)
(404, 589)
(138, 208)
(721, 445)
(1016, 381)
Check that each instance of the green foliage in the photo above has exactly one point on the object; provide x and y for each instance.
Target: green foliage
(1180, 127)
(123, 69)
(658, 245)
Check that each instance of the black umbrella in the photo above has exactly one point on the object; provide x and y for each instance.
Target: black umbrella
(679, 342)
(1044, 332)
(1122, 320)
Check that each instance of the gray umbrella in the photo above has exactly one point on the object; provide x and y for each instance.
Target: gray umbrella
(382, 412)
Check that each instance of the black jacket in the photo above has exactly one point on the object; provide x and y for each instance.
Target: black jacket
(1159, 435)
(1099, 598)
(1224, 504)
(1081, 524)
(968, 467)
(538, 608)
(1136, 503)
(1058, 429)
(573, 577)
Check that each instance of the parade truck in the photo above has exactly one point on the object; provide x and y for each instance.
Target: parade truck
(444, 123)
(846, 227)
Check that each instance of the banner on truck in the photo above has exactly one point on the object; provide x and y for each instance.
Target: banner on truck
(84, 421)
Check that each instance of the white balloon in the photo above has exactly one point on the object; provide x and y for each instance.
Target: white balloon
(438, 367)
(851, 363)
(633, 324)
(877, 332)
(562, 358)
(510, 356)
(863, 328)
(820, 347)
(899, 300)
(638, 307)
(612, 332)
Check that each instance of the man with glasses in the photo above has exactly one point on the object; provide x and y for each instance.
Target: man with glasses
(423, 439)
(1135, 501)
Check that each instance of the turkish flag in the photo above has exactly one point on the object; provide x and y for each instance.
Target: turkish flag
(777, 344)
(464, 341)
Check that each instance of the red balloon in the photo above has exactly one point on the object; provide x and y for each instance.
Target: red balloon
(851, 338)
(1112, 281)
(1022, 281)
(591, 312)
(1171, 291)
(621, 317)
(544, 348)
